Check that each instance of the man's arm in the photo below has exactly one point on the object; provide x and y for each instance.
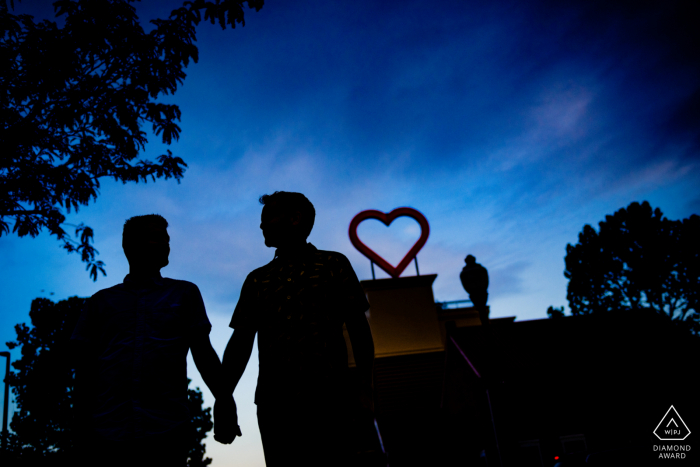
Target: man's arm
(363, 351)
(225, 414)
(236, 356)
(235, 359)
(208, 364)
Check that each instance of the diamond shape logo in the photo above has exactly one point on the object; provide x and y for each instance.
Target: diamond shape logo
(671, 427)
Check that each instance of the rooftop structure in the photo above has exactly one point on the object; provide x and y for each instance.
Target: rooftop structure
(450, 391)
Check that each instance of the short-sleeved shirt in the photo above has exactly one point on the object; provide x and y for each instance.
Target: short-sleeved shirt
(298, 305)
(138, 335)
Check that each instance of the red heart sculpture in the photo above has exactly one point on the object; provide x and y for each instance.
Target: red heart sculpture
(388, 219)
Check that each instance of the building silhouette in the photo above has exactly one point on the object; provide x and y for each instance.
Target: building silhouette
(586, 390)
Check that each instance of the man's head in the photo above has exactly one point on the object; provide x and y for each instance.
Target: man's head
(146, 241)
(286, 218)
(470, 260)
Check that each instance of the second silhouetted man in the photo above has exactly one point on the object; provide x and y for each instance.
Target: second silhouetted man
(297, 304)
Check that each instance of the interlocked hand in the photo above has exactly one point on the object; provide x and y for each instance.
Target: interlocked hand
(226, 421)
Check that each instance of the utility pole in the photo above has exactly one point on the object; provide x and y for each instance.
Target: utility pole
(6, 401)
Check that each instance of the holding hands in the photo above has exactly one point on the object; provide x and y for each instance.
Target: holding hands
(226, 420)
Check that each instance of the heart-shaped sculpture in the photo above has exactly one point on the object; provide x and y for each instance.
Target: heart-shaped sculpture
(388, 219)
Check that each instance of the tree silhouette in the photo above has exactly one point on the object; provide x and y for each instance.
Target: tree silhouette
(43, 427)
(554, 313)
(74, 101)
(638, 259)
(202, 424)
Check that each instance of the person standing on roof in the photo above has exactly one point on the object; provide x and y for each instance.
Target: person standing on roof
(475, 280)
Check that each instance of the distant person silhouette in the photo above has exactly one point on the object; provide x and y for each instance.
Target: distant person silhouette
(297, 305)
(475, 280)
(131, 371)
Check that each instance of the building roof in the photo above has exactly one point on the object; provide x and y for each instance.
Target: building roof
(612, 373)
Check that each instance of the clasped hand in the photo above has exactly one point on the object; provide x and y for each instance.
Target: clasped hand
(226, 421)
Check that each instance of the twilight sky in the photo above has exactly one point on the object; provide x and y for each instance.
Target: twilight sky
(508, 125)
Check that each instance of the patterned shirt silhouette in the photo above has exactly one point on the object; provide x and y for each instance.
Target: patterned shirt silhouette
(138, 334)
(298, 305)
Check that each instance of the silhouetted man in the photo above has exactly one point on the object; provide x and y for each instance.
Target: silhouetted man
(475, 280)
(297, 305)
(133, 341)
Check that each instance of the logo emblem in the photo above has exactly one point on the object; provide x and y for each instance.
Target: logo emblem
(671, 427)
(388, 219)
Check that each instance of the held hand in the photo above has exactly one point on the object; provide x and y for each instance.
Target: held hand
(226, 421)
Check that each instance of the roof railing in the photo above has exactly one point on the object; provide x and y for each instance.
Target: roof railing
(453, 304)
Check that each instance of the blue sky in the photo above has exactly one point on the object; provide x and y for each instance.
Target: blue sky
(508, 125)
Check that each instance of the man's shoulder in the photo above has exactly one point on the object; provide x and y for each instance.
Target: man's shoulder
(108, 292)
(327, 256)
(321, 257)
(179, 283)
(261, 271)
(181, 287)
